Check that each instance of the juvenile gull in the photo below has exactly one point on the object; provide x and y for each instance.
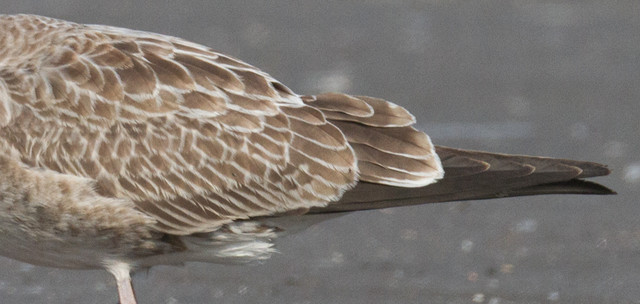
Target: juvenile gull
(122, 149)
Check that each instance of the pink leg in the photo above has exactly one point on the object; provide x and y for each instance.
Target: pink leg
(125, 291)
(120, 271)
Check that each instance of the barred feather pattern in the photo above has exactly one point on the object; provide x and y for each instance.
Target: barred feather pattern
(192, 137)
(122, 149)
(388, 149)
(195, 138)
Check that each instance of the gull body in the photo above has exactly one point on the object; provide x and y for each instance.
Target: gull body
(122, 149)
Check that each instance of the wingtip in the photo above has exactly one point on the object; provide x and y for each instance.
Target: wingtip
(575, 186)
(590, 169)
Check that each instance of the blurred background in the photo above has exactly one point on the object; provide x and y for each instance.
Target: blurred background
(554, 78)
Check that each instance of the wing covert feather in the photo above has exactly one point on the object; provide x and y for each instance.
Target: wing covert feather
(194, 138)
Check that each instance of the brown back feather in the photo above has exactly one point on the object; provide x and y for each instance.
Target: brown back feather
(389, 150)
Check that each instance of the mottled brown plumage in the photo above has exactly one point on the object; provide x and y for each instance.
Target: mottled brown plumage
(122, 149)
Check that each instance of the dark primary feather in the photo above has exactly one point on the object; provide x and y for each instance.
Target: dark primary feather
(471, 175)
